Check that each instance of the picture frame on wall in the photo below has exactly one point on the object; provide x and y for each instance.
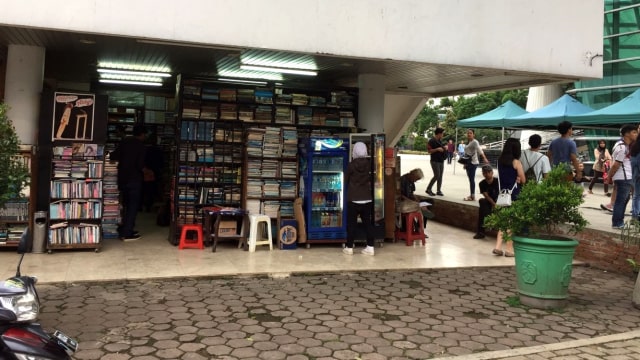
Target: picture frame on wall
(73, 116)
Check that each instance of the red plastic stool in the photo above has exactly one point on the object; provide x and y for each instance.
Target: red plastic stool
(186, 243)
(408, 234)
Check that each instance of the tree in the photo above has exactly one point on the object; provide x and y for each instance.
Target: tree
(14, 174)
(450, 110)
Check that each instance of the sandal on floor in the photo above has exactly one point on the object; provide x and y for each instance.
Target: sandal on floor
(498, 252)
(590, 192)
(508, 254)
(469, 198)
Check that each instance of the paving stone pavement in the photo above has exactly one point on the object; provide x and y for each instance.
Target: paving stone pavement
(465, 313)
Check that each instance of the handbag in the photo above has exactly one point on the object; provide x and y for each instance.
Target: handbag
(464, 159)
(504, 198)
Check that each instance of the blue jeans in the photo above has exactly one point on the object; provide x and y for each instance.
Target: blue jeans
(471, 174)
(622, 197)
(635, 175)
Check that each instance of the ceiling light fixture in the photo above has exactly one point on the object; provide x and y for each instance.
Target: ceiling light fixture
(130, 82)
(239, 81)
(250, 75)
(279, 70)
(133, 72)
(133, 67)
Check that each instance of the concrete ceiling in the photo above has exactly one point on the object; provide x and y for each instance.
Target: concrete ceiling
(73, 57)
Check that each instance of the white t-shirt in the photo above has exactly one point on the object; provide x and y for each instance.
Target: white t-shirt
(621, 155)
(539, 161)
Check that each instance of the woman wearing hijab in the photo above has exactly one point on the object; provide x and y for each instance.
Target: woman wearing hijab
(600, 166)
(359, 197)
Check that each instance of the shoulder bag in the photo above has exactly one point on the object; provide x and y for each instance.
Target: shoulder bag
(504, 198)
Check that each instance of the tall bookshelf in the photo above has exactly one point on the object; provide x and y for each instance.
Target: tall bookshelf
(237, 144)
(76, 197)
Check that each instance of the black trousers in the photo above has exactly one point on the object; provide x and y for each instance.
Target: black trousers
(484, 211)
(364, 210)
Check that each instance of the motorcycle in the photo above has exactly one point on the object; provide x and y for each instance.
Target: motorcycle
(21, 338)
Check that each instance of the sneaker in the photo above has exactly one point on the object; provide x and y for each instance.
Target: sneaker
(430, 193)
(478, 236)
(347, 251)
(133, 237)
(618, 227)
(439, 193)
(368, 251)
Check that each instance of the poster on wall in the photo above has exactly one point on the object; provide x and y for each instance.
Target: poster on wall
(73, 116)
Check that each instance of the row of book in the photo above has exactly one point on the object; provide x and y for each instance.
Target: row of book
(15, 211)
(75, 209)
(76, 189)
(74, 234)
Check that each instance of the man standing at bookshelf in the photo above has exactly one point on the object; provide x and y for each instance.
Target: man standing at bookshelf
(130, 155)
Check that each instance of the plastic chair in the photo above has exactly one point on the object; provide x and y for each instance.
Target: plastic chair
(255, 222)
(408, 234)
(185, 242)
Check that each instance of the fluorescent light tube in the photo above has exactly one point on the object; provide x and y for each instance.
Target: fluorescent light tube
(278, 70)
(128, 82)
(239, 81)
(130, 77)
(131, 72)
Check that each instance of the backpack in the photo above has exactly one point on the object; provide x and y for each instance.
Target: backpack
(530, 174)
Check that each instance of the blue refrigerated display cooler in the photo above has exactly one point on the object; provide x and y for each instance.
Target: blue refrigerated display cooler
(324, 193)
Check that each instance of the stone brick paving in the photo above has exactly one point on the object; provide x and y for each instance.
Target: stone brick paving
(369, 315)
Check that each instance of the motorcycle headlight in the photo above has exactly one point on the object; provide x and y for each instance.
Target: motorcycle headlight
(24, 306)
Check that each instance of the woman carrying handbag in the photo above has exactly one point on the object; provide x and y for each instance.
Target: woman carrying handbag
(510, 174)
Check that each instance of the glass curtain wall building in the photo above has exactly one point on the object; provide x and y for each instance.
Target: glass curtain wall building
(620, 57)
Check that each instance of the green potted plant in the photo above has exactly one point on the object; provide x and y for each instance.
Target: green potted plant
(543, 255)
(14, 174)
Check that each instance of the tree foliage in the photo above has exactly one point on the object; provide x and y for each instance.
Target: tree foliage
(449, 110)
(14, 174)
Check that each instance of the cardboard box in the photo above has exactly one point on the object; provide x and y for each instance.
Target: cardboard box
(228, 228)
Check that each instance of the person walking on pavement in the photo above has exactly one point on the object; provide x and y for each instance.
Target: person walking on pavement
(602, 158)
(621, 173)
(130, 155)
(474, 150)
(438, 152)
(451, 149)
(359, 198)
(489, 190)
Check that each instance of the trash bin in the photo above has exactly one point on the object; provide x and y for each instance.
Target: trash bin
(39, 232)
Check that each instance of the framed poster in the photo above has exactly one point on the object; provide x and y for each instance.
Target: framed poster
(73, 116)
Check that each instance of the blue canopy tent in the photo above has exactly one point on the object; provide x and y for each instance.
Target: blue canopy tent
(625, 111)
(495, 118)
(550, 115)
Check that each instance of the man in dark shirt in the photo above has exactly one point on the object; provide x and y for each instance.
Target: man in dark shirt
(489, 189)
(437, 152)
(130, 155)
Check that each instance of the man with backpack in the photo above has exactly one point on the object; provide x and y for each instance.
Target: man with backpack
(536, 166)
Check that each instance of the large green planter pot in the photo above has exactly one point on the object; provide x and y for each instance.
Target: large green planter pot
(543, 270)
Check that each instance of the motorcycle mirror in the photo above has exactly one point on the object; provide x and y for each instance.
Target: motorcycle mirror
(24, 241)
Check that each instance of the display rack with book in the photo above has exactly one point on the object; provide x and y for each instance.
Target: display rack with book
(76, 197)
(272, 171)
(16, 214)
(258, 172)
(209, 156)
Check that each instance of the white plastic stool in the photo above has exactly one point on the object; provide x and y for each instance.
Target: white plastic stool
(254, 224)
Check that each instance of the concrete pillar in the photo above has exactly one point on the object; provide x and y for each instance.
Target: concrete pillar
(23, 86)
(541, 96)
(371, 102)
